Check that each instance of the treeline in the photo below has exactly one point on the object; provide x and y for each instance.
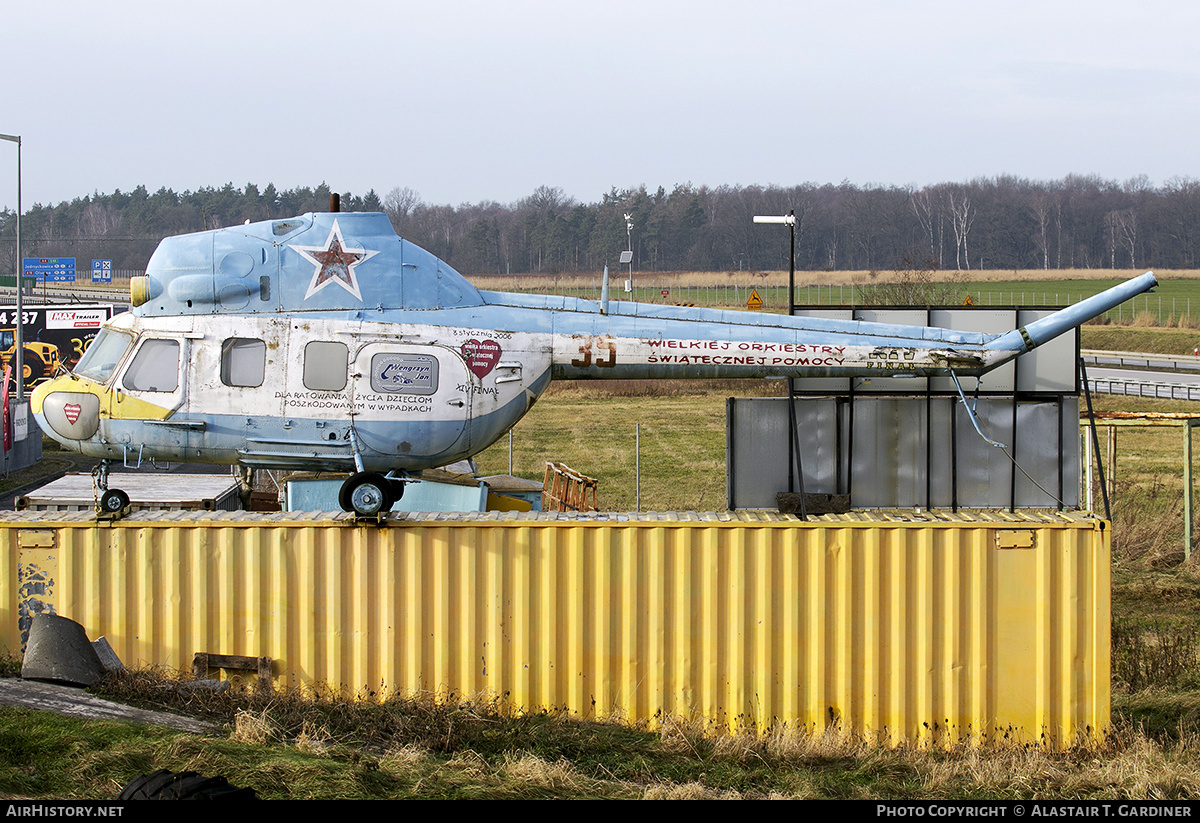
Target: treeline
(992, 223)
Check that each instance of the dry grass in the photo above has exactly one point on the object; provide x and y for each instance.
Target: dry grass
(253, 727)
(526, 767)
(286, 746)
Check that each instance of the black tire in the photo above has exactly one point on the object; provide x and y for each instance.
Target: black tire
(34, 369)
(165, 785)
(366, 494)
(113, 500)
(396, 490)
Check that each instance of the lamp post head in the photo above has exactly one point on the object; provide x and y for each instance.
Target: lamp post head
(783, 219)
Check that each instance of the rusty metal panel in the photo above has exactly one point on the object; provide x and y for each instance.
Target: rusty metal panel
(949, 628)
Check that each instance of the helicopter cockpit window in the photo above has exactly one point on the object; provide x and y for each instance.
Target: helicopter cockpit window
(243, 362)
(154, 368)
(325, 366)
(103, 355)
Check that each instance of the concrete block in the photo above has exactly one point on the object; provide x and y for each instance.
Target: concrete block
(108, 657)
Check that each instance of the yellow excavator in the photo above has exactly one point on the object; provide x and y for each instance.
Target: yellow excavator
(40, 362)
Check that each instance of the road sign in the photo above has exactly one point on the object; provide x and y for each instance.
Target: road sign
(101, 271)
(50, 269)
(754, 303)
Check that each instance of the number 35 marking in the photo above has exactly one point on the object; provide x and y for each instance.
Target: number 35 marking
(605, 353)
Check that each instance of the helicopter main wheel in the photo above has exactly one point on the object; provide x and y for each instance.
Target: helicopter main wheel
(113, 501)
(366, 494)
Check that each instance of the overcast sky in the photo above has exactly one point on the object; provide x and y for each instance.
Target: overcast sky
(476, 101)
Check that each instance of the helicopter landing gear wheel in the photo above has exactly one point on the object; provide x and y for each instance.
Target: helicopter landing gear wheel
(110, 503)
(113, 501)
(366, 494)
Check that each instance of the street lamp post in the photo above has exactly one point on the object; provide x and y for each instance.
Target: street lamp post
(19, 354)
(795, 465)
(788, 220)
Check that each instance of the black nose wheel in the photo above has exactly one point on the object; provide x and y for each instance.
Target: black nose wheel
(367, 494)
(113, 501)
(108, 501)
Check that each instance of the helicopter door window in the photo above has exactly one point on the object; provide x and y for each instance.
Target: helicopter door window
(155, 367)
(325, 365)
(243, 362)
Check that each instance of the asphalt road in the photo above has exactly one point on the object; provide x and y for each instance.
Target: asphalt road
(1144, 375)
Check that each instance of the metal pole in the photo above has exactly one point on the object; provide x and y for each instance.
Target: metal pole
(792, 263)
(793, 434)
(1187, 485)
(18, 358)
(795, 465)
(1087, 393)
(1087, 450)
(637, 467)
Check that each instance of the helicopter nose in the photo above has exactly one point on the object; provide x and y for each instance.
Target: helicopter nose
(72, 415)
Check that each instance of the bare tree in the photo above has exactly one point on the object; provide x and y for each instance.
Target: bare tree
(962, 216)
(1122, 231)
(924, 206)
(400, 202)
(1042, 209)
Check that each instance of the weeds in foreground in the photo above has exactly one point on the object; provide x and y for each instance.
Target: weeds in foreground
(286, 746)
(1158, 655)
(1148, 523)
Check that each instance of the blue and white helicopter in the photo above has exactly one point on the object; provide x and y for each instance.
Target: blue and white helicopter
(326, 342)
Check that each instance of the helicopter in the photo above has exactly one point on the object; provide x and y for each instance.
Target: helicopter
(326, 342)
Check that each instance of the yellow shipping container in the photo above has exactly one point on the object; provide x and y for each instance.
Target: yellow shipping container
(932, 628)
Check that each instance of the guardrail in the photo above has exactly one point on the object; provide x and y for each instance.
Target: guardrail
(1135, 388)
(1141, 360)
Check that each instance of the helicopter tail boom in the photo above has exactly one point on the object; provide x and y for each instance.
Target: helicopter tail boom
(1040, 331)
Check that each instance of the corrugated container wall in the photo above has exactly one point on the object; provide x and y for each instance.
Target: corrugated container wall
(934, 631)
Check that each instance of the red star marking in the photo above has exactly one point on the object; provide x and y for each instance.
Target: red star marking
(334, 263)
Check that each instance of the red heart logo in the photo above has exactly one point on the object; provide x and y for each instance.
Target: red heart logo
(481, 356)
(71, 411)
